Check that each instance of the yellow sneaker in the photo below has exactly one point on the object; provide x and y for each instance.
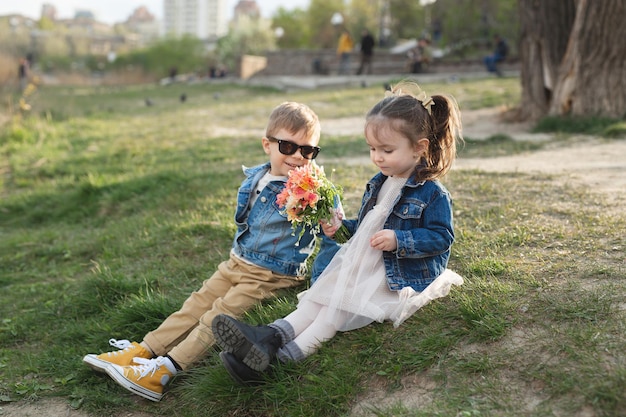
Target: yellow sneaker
(147, 379)
(122, 357)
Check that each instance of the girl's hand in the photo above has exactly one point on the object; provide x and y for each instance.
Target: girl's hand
(384, 240)
(331, 228)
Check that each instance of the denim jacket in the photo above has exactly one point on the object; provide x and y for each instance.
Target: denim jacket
(264, 235)
(422, 221)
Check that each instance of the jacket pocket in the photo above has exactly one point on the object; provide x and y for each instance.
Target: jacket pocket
(409, 209)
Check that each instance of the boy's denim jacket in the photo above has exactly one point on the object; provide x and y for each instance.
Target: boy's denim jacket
(422, 220)
(265, 237)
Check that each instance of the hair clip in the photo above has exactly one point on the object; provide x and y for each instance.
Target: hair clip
(393, 93)
(426, 100)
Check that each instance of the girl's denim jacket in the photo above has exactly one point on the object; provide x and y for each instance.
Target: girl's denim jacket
(422, 220)
(264, 235)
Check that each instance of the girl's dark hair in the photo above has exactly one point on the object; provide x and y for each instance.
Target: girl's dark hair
(408, 109)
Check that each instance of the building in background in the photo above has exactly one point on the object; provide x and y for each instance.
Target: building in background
(144, 24)
(247, 14)
(246, 9)
(49, 11)
(204, 19)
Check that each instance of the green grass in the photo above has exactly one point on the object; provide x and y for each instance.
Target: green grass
(496, 145)
(112, 212)
(593, 125)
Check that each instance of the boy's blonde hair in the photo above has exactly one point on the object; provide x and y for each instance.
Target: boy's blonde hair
(294, 117)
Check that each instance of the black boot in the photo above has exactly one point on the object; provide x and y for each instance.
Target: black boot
(255, 346)
(240, 372)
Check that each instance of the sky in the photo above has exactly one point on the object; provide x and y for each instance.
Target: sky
(114, 11)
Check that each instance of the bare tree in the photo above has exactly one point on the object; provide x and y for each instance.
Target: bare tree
(573, 58)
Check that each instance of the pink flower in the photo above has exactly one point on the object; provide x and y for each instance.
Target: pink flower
(308, 198)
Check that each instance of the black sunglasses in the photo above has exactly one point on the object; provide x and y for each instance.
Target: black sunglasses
(289, 148)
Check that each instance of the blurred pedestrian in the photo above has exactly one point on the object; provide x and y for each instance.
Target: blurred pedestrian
(23, 73)
(499, 54)
(437, 29)
(367, 51)
(173, 73)
(344, 49)
(420, 56)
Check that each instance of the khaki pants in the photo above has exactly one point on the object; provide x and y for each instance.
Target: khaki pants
(233, 289)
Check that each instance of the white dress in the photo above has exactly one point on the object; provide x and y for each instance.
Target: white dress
(354, 287)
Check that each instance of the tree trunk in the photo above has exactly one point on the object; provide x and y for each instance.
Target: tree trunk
(592, 76)
(545, 29)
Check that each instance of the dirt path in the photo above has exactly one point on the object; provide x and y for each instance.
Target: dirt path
(589, 161)
(584, 160)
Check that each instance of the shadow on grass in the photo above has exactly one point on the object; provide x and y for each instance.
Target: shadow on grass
(88, 200)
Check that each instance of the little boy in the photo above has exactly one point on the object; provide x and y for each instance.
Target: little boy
(264, 258)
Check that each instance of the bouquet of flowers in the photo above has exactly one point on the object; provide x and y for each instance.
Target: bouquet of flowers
(309, 197)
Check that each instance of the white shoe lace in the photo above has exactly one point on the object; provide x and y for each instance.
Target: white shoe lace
(123, 345)
(147, 366)
(120, 344)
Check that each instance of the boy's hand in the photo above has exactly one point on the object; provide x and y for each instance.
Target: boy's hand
(384, 240)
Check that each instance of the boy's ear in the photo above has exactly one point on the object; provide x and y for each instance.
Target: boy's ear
(266, 145)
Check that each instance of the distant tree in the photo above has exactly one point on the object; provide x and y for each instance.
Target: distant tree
(364, 14)
(312, 28)
(323, 33)
(186, 54)
(473, 20)
(407, 19)
(470, 24)
(253, 39)
(295, 26)
(45, 23)
(573, 58)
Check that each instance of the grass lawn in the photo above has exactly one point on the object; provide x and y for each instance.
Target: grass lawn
(112, 212)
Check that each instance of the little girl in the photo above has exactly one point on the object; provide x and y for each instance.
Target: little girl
(395, 261)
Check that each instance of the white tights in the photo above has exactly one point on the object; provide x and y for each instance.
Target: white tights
(311, 327)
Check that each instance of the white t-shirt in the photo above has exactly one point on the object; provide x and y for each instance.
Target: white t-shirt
(266, 179)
